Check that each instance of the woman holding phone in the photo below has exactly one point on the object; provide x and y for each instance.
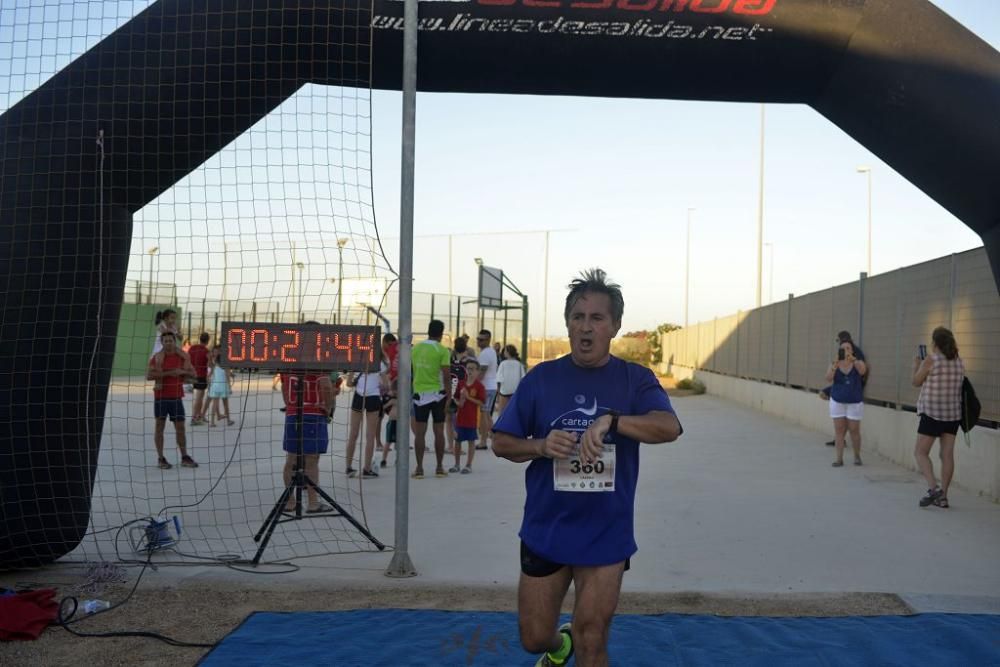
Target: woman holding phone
(846, 403)
(939, 376)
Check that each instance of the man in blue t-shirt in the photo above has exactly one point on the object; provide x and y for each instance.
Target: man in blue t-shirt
(579, 421)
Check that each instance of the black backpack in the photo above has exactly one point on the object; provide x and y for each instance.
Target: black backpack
(971, 407)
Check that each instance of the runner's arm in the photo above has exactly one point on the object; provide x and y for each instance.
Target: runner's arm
(556, 445)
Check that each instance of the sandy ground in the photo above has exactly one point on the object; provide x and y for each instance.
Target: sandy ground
(208, 612)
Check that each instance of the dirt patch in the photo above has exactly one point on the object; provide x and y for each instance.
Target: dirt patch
(207, 612)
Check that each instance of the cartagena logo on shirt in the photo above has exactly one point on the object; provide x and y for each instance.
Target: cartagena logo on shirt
(579, 419)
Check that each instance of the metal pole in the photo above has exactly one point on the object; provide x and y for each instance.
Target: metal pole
(861, 307)
(545, 302)
(225, 269)
(450, 291)
(292, 281)
(760, 210)
(687, 268)
(770, 279)
(401, 565)
(867, 171)
(524, 329)
(869, 222)
(340, 276)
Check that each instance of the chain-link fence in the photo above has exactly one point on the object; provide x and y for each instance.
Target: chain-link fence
(792, 342)
(460, 314)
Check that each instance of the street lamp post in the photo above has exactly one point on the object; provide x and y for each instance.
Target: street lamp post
(152, 254)
(300, 266)
(687, 267)
(760, 211)
(770, 278)
(340, 275)
(868, 172)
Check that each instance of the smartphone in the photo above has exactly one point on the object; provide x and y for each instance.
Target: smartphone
(922, 351)
(841, 354)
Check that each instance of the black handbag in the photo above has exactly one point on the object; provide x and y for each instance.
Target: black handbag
(971, 407)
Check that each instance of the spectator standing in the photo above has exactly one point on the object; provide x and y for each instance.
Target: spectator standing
(390, 348)
(199, 354)
(509, 375)
(459, 355)
(390, 357)
(168, 368)
(488, 367)
(431, 392)
(845, 337)
(220, 388)
(939, 405)
(471, 395)
(366, 405)
(317, 399)
(846, 404)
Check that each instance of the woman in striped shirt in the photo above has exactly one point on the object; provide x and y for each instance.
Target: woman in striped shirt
(939, 377)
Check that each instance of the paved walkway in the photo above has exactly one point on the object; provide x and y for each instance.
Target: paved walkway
(743, 503)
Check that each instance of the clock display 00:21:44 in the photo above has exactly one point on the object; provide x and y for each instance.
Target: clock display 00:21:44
(292, 346)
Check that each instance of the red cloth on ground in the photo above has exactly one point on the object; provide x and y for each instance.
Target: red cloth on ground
(26, 615)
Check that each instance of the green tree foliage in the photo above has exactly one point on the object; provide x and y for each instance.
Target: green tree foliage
(654, 340)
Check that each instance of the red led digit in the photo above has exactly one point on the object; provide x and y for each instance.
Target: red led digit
(253, 342)
(319, 347)
(285, 356)
(241, 346)
(370, 348)
(347, 348)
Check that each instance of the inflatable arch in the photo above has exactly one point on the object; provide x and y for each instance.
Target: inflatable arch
(185, 77)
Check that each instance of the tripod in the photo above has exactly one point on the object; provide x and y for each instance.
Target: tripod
(298, 482)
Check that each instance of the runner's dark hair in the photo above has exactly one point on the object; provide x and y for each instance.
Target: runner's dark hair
(595, 281)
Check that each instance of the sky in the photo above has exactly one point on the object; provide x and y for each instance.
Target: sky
(486, 163)
(611, 179)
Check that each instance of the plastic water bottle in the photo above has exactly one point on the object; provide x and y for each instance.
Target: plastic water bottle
(94, 606)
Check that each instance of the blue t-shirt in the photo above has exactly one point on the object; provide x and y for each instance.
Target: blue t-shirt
(846, 387)
(580, 528)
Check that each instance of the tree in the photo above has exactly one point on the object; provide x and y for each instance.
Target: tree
(654, 340)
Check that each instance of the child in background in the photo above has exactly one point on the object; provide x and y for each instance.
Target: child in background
(471, 396)
(166, 322)
(219, 388)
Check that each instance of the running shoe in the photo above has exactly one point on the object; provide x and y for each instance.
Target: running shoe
(368, 474)
(163, 463)
(548, 661)
(188, 462)
(931, 496)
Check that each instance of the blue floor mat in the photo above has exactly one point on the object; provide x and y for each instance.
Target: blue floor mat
(442, 638)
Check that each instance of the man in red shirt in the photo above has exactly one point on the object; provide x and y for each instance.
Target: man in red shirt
(169, 368)
(317, 401)
(199, 361)
(471, 396)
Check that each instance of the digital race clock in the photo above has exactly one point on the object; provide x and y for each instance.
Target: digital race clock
(280, 346)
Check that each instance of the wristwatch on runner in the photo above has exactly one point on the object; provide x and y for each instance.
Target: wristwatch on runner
(614, 421)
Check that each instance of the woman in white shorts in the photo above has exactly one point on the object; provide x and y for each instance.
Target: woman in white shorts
(846, 403)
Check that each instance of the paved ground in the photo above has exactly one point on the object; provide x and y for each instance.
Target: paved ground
(743, 503)
(743, 515)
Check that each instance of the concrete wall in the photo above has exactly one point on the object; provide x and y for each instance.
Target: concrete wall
(892, 433)
(792, 342)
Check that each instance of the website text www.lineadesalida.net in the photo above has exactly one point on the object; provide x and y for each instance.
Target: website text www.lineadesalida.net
(640, 28)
